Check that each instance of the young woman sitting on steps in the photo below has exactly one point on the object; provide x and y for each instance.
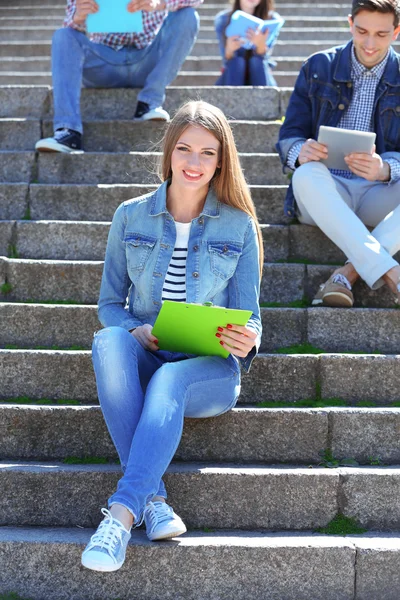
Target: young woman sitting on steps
(202, 217)
(243, 66)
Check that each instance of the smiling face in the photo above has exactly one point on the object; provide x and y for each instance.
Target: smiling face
(373, 32)
(249, 6)
(195, 158)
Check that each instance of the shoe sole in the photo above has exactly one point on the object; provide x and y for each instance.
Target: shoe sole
(56, 148)
(338, 300)
(151, 119)
(166, 536)
(98, 567)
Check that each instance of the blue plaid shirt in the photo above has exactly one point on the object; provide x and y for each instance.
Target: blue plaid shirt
(359, 115)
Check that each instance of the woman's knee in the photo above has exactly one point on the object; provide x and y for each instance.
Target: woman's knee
(110, 339)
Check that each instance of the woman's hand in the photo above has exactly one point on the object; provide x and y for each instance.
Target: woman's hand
(233, 43)
(258, 39)
(237, 339)
(145, 337)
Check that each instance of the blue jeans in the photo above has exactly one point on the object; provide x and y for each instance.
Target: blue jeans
(144, 397)
(245, 68)
(77, 61)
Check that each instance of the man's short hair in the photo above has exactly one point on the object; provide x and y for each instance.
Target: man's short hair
(382, 6)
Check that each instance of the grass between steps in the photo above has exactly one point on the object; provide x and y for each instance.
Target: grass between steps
(12, 596)
(341, 525)
(40, 401)
(19, 347)
(89, 460)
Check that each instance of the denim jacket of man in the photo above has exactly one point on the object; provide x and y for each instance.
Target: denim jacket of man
(323, 91)
(222, 262)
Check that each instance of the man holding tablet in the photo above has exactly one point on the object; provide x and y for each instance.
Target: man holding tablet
(353, 87)
(149, 59)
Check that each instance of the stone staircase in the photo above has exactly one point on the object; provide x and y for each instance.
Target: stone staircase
(252, 485)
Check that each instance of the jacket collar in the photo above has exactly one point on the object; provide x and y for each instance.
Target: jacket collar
(158, 206)
(391, 75)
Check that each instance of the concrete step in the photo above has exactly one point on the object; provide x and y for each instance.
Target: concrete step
(65, 375)
(302, 30)
(43, 32)
(126, 135)
(352, 330)
(301, 566)
(86, 240)
(204, 47)
(105, 167)
(288, 47)
(18, 65)
(79, 282)
(266, 435)
(271, 498)
(185, 78)
(76, 202)
(249, 103)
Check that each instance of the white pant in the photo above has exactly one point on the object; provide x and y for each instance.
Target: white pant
(342, 208)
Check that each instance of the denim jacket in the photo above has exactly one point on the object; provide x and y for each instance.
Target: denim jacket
(323, 91)
(222, 263)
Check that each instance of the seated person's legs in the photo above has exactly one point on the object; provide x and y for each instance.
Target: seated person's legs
(161, 61)
(330, 202)
(75, 59)
(234, 71)
(257, 71)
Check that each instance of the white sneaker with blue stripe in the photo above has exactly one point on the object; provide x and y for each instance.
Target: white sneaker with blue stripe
(107, 547)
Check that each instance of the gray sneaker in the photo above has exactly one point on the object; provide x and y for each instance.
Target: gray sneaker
(162, 522)
(107, 547)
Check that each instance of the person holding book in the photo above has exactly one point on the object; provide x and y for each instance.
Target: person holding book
(195, 239)
(354, 87)
(149, 60)
(246, 62)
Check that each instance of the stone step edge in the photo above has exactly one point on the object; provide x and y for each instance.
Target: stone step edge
(350, 565)
(218, 537)
(204, 468)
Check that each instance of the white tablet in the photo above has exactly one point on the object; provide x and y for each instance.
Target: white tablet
(341, 142)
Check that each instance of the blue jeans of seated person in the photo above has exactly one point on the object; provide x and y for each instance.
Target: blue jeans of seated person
(144, 397)
(77, 61)
(248, 68)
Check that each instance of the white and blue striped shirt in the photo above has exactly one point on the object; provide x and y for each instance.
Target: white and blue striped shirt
(174, 287)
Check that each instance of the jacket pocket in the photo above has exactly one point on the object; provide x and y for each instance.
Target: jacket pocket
(138, 250)
(391, 124)
(224, 257)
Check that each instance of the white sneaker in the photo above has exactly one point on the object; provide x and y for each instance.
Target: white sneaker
(64, 140)
(161, 521)
(107, 547)
(145, 113)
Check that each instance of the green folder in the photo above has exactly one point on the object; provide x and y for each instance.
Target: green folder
(191, 328)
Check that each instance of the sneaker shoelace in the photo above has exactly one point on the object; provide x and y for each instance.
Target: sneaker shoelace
(108, 534)
(342, 280)
(60, 134)
(158, 512)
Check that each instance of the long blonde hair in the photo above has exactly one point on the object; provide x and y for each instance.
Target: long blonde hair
(228, 182)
